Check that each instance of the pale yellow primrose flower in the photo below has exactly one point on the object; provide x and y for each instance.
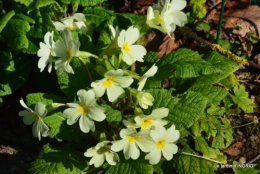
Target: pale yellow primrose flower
(85, 111)
(178, 16)
(45, 52)
(130, 142)
(163, 144)
(153, 120)
(69, 24)
(144, 99)
(30, 116)
(66, 49)
(125, 41)
(101, 152)
(148, 74)
(166, 19)
(113, 83)
(161, 20)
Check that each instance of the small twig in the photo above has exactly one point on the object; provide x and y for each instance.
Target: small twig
(84, 63)
(254, 159)
(238, 126)
(202, 157)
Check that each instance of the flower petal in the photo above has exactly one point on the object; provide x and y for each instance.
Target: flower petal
(40, 108)
(96, 113)
(86, 124)
(154, 156)
(131, 151)
(172, 134)
(159, 113)
(86, 97)
(97, 160)
(72, 115)
(90, 152)
(113, 92)
(169, 150)
(118, 145)
(131, 35)
(28, 117)
(112, 158)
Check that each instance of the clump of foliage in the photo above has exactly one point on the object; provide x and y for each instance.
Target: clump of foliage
(129, 103)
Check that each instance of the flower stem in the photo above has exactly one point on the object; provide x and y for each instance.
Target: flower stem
(202, 157)
(84, 63)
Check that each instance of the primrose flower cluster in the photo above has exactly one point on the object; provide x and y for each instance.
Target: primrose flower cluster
(143, 133)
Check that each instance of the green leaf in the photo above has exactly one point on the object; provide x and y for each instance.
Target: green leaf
(242, 100)
(208, 152)
(245, 168)
(112, 116)
(214, 94)
(18, 43)
(5, 18)
(39, 4)
(96, 16)
(55, 119)
(131, 167)
(186, 164)
(221, 63)
(184, 111)
(25, 2)
(25, 18)
(83, 2)
(125, 20)
(16, 27)
(71, 83)
(14, 72)
(224, 135)
(63, 160)
(185, 63)
(208, 124)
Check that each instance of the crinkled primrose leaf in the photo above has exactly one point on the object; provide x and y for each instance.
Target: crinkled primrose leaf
(58, 160)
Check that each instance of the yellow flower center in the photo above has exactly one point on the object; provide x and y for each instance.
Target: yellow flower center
(132, 138)
(103, 149)
(160, 144)
(68, 54)
(83, 109)
(146, 122)
(71, 27)
(126, 47)
(36, 116)
(108, 82)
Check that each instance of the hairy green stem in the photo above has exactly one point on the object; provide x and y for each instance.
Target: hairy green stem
(197, 156)
(84, 63)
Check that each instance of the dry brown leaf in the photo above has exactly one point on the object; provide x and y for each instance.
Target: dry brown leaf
(161, 43)
(233, 150)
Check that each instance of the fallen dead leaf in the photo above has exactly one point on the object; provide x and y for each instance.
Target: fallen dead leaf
(233, 150)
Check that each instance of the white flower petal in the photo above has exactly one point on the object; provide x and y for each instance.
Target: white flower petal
(90, 152)
(112, 158)
(59, 26)
(86, 97)
(121, 38)
(124, 81)
(24, 105)
(168, 151)
(131, 35)
(128, 59)
(86, 124)
(113, 92)
(28, 117)
(118, 145)
(178, 4)
(179, 18)
(72, 115)
(159, 113)
(154, 156)
(131, 151)
(97, 160)
(145, 145)
(79, 17)
(98, 88)
(97, 113)
(158, 133)
(172, 134)
(40, 108)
